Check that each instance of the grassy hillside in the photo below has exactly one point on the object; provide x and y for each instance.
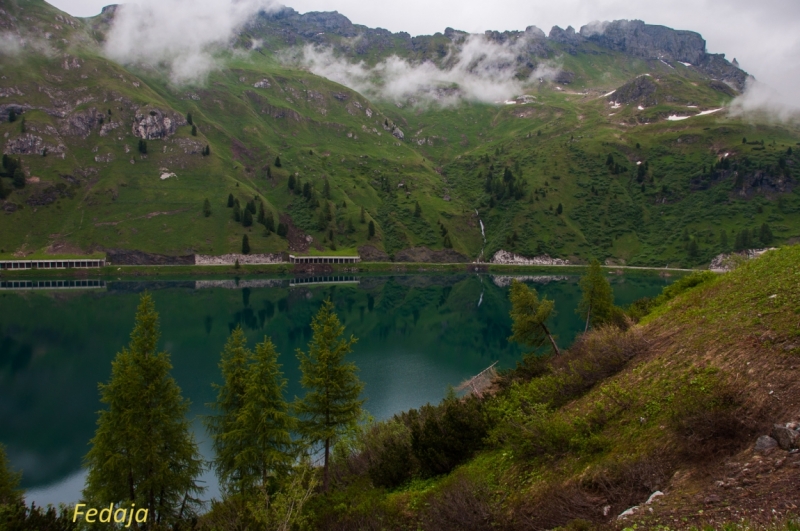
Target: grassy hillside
(89, 187)
(674, 404)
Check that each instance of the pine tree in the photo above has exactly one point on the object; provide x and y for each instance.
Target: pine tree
(189, 119)
(417, 210)
(597, 303)
(269, 222)
(559, 209)
(12, 116)
(143, 451)
(447, 243)
(322, 220)
(207, 208)
(10, 494)
(765, 234)
(291, 182)
(228, 445)
(692, 248)
(19, 177)
(245, 244)
(261, 215)
(529, 315)
(371, 231)
(350, 228)
(363, 218)
(264, 422)
(142, 146)
(194, 130)
(247, 219)
(331, 405)
(277, 162)
(230, 200)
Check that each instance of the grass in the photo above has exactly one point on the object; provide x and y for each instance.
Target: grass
(617, 416)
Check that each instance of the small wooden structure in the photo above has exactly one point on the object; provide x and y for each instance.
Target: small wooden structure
(478, 384)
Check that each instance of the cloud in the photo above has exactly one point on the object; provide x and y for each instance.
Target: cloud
(762, 101)
(9, 44)
(179, 35)
(476, 69)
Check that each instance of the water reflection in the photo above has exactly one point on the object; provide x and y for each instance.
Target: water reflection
(417, 335)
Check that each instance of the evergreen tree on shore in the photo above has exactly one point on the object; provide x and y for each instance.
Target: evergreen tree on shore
(331, 405)
(143, 451)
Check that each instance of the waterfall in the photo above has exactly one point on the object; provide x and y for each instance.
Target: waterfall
(480, 300)
(483, 234)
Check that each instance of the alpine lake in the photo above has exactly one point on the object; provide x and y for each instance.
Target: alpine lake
(417, 335)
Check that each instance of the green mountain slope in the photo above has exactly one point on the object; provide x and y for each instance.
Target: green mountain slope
(89, 187)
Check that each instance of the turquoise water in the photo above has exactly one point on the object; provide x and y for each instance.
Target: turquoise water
(416, 336)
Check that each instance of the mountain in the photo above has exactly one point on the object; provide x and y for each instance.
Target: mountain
(614, 141)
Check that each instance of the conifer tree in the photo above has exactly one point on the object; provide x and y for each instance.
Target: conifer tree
(247, 219)
(269, 222)
(331, 405)
(371, 231)
(230, 200)
(261, 215)
(291, 182)
(278, 162)
(142, 146)
(19, 177)
(246, 244)
(529, 315)
(597, 302)
(417, 210)
(237, 212)
(363, 218)
(350, 228)
(194, 130)
(4, 192)
(227, 443)
(12, 116)
(143, 451)
(326, 190)
(9, 482)
(264, 421)
(207, 208)
(189, 119)
(283, 230)
(765, 235)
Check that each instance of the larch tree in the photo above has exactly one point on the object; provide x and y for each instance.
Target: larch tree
(331, 405)
(529, 317)
(264, 422)
(597, 302)
(227, 442)
(143, 452)
(9, 481)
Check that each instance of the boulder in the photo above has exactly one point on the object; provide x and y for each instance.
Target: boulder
(786, 438)
(765, 444)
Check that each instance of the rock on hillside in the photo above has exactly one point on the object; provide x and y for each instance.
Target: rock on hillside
(155, 124)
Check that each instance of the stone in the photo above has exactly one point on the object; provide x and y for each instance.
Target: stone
(765, 444)
(785, 437)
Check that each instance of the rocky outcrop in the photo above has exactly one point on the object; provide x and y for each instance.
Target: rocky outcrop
(423, 254)
(727, 262)
(641, 90)
(81, 123)
(507, 258)
(397, 133)
(154, 124)
(368, 253)
(567, 36)
(29, 144)
(636, 38)
(230, 259)
(126, 257)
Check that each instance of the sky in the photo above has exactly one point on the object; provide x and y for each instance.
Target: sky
(762, 35)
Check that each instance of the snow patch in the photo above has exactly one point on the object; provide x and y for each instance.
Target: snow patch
(510, 102)
(675, 118)
(666, 63)
(685, 64)
(609, 94)
(710, 112)
(641, 108)
(165, 176)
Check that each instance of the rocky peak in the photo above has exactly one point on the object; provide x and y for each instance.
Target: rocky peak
(567, 36)
(634, 37)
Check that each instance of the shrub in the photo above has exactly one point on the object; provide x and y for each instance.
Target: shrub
(462, 503)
